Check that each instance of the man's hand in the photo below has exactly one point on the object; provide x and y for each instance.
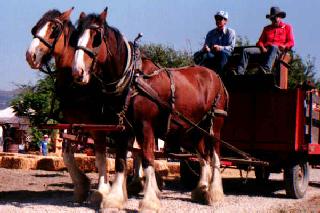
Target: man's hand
(282, 47)
(206, 48)
(217, 48)
(263, 49)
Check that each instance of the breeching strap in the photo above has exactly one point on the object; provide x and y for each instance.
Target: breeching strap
(153, 96)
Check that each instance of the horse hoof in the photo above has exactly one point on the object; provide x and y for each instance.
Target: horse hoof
(112, 202)
(150, 206)
(213, 197)
(199, 194)
(96, 197)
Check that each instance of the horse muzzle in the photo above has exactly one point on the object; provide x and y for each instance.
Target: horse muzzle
(32, 60)
(79, 76)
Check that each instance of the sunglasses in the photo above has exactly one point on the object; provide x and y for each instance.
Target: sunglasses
(219, 18)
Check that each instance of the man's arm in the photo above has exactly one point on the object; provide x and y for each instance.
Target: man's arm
(207, 42)
(231, 41)
(262, 40)
(290, 38)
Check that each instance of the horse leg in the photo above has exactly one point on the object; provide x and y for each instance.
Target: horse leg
(136, 184)
(117, 196)
(151, 201)
(215, 192)
(80, 180)
(199, 193)
(103, 185)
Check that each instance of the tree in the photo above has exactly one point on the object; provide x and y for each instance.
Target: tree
(35, 103)
(167, 56)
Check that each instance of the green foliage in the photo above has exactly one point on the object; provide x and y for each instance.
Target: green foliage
(242, 41)
(301, 71)
(167, 56)
(35, 103)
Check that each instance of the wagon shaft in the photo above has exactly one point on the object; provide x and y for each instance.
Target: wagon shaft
(91, 127)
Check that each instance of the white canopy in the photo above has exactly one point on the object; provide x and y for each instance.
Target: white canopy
(8, 116)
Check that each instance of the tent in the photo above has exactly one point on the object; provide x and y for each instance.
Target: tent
(7, 116)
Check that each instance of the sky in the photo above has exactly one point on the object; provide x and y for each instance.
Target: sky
(181, 24)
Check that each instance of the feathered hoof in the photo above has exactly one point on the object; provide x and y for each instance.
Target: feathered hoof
(213, 197)
(112, 202)
(149, 206)
(199, 194)
(135, 187)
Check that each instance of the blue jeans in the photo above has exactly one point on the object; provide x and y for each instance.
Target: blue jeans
(268, 58)
(216, 60)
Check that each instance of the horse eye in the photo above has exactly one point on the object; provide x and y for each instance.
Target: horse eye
(97, 40)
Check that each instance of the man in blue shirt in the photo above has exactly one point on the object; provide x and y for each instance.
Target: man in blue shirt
(219, 43)
(44, 145)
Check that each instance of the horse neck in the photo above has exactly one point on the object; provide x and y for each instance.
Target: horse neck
(116, 60)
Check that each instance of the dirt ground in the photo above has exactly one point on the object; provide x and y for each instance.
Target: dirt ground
(45, 191)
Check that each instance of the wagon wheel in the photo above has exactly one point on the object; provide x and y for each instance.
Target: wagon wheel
(296, 177)
(262, 174)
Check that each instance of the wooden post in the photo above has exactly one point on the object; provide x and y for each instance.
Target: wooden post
(57, 143)
(284, 71)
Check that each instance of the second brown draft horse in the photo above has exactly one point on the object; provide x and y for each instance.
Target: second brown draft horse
(149, 100)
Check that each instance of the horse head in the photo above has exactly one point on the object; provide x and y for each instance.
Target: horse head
(101, 50)
(48, 36)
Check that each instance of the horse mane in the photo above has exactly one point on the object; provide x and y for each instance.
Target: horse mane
(52, 14)
(84, 23)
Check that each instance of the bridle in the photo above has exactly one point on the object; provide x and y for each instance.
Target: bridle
(92, 53)
(120, 84)
(52, 45)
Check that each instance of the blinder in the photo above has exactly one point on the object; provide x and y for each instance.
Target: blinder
(55, 34)
(97, 40)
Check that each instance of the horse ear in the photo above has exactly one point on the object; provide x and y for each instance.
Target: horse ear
(82, 15)
(34, 30)
(103, 15)
(66, 15)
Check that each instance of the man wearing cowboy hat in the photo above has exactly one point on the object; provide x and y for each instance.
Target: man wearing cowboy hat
(276, 37)
(219, 43)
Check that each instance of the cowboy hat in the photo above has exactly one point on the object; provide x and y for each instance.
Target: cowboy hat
(276, 11)
(223, 14)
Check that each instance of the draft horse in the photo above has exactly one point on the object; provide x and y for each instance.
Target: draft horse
(156, 103)
(54, 37)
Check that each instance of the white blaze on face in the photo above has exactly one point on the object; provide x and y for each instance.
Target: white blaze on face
(34, 46)
(79, 63)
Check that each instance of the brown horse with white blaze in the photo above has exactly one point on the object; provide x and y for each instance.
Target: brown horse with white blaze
(195, 92)
(54, 35)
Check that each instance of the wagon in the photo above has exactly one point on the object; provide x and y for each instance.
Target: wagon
(277, 126)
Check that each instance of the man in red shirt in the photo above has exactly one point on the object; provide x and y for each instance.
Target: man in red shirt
(275, 38)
